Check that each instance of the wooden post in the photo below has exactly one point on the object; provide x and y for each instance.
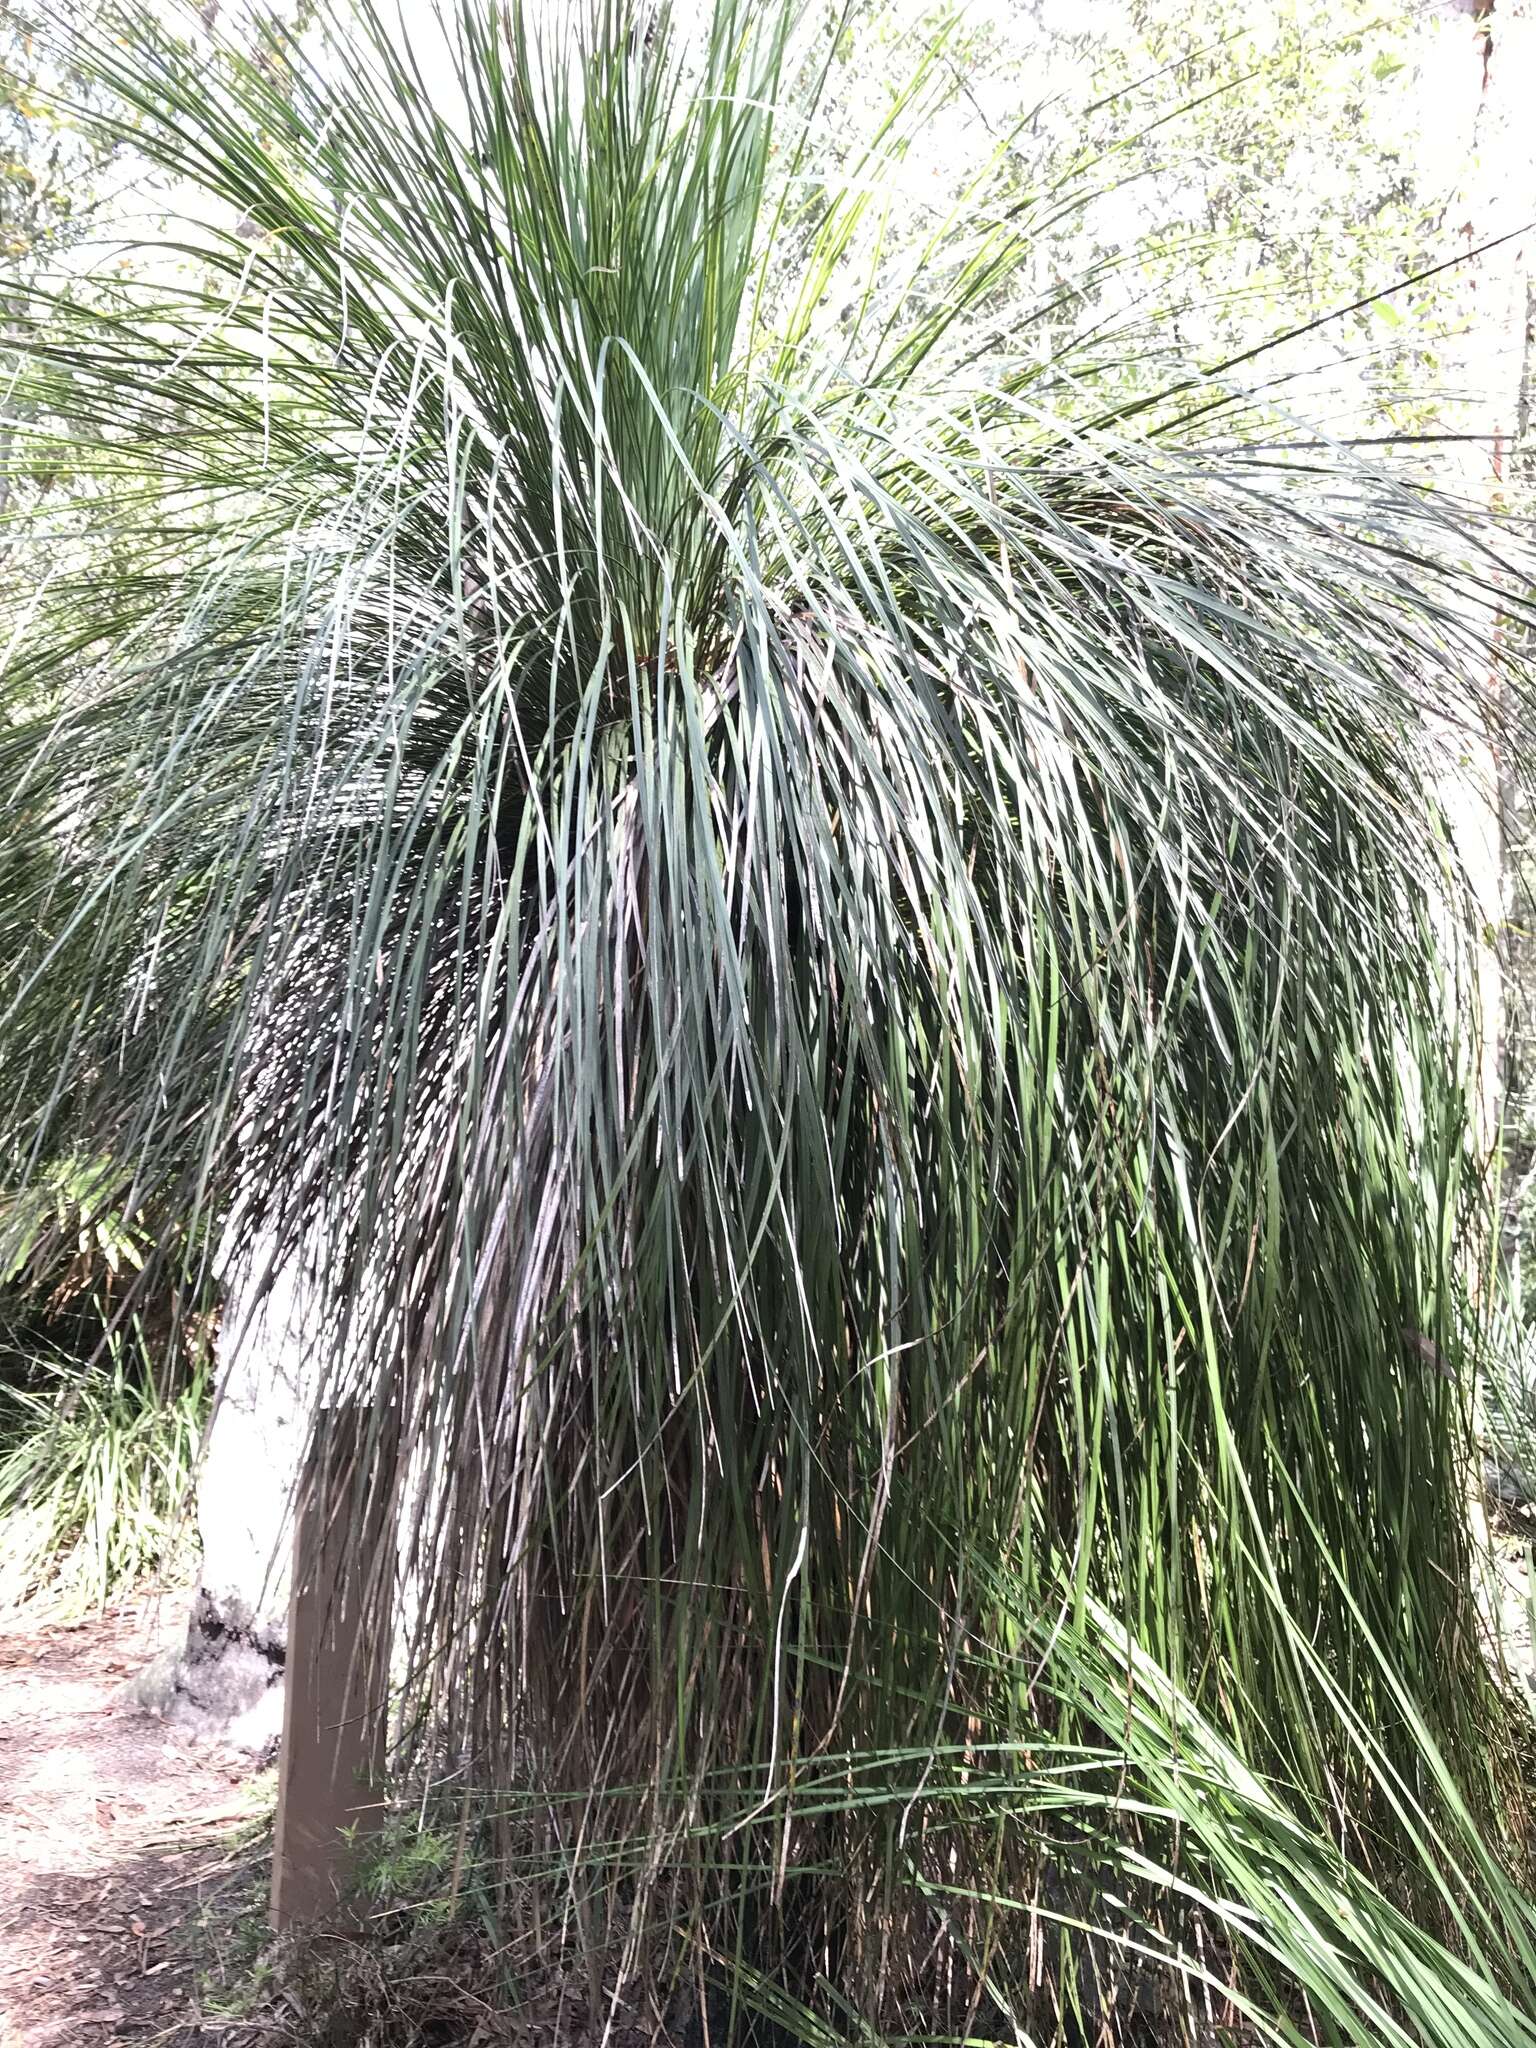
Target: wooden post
(331, 1767)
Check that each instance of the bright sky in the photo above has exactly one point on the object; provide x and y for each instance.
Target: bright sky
(1435, 106)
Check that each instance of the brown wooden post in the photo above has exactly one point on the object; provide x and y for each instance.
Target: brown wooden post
(331, 1768)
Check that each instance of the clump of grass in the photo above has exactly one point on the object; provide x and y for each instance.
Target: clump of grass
(414, 1958)
(409, 1869)
(1179, 1896)
(95, 1469)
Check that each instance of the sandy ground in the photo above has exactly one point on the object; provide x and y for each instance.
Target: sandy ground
(115, 1834)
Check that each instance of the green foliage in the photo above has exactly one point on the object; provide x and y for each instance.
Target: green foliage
(64, 1233)
(408, 1866)
(843, 948)
(1221, 174)
(104, 1338)
(58, 172)
(1182, 1893)
(49, 163)
(96, 1469)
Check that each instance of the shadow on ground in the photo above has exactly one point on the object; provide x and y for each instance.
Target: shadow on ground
(131, 1882)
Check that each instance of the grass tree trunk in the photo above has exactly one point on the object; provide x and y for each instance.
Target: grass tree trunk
(227, 1676)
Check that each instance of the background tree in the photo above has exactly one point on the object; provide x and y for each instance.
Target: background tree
(60, 177)
(1219, 177)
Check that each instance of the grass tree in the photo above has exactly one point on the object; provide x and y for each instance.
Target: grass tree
(846, 960)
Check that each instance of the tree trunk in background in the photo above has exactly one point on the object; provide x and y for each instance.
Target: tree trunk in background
(1518, 826)
(227, 1678)
(1492, 47)
(1507, 175)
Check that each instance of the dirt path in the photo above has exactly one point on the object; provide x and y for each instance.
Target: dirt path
(115, 1843)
